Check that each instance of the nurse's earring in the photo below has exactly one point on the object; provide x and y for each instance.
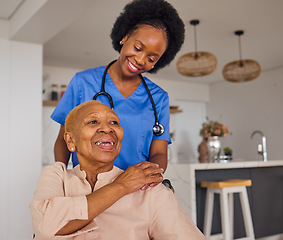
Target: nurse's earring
(123, 40)
(72, 149)
(152, 67)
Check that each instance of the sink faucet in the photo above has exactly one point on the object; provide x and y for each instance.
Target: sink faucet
(261, 148)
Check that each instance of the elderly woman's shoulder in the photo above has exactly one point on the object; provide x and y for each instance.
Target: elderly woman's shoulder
(57, 168)
(61, 170)
(56, 165)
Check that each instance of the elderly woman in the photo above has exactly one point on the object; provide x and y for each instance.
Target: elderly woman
(96, 200)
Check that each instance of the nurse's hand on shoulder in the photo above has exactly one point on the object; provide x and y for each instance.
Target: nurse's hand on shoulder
(153, 184)
(140, 175)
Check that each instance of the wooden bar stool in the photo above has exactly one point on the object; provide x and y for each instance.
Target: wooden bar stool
(226, 189)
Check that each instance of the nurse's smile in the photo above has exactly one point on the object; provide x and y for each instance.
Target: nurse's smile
(132, 68)
(142, 49)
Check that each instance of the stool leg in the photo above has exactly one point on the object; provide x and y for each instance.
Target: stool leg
(231, 213)
(224, 214)
(208, 213)
(247, 214)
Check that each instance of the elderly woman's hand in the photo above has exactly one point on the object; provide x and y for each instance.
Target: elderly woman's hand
(139, 175)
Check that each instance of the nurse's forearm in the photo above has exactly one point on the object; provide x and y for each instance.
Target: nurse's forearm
(160, 159)
(158, 153)
(61, 152)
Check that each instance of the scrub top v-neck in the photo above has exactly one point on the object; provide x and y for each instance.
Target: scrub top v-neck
(135, 112)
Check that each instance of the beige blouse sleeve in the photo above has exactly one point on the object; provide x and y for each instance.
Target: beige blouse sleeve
(50, 208)
(169, 219)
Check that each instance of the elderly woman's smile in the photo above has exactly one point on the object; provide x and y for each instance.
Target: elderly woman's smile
(106, 144)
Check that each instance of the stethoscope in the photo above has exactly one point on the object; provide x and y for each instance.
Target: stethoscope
(158, 129)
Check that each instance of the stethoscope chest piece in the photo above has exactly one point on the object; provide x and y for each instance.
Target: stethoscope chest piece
(158, 129)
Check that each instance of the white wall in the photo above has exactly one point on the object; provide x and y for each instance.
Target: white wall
(182, 90)
(249, 106)
(20, 127)
(4, 121)
(186, 128)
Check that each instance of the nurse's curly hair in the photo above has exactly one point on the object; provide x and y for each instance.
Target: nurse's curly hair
(157, 13)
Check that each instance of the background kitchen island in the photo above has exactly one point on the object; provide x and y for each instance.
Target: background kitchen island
(265, 194)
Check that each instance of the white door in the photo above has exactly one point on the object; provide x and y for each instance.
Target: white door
(185, 127)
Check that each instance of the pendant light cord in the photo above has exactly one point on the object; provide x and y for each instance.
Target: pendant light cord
(195, 31)
(194, 23)
(239, 33)
(240, 52)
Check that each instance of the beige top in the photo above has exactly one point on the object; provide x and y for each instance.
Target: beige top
(61, 196)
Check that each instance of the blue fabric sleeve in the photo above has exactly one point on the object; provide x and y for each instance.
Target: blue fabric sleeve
(164, 119)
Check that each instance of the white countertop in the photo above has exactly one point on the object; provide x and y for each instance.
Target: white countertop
(232, 164)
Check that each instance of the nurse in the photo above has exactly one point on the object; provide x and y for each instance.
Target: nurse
(147, 34)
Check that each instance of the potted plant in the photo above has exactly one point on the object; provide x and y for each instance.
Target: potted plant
(227, 153)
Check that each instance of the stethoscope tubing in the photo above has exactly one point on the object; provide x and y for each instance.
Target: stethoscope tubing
(102, 90)
(158, 129)
(151, 99)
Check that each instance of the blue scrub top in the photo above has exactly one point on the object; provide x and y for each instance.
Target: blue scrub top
(135, 112)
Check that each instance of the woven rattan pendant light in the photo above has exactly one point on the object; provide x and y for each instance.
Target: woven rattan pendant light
(241, 70)
(195, 64)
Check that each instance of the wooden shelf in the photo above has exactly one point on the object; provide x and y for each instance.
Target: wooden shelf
(175, 109)
(50, 103)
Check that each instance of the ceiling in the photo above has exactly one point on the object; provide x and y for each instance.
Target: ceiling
(86, 43)
(8, 8)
